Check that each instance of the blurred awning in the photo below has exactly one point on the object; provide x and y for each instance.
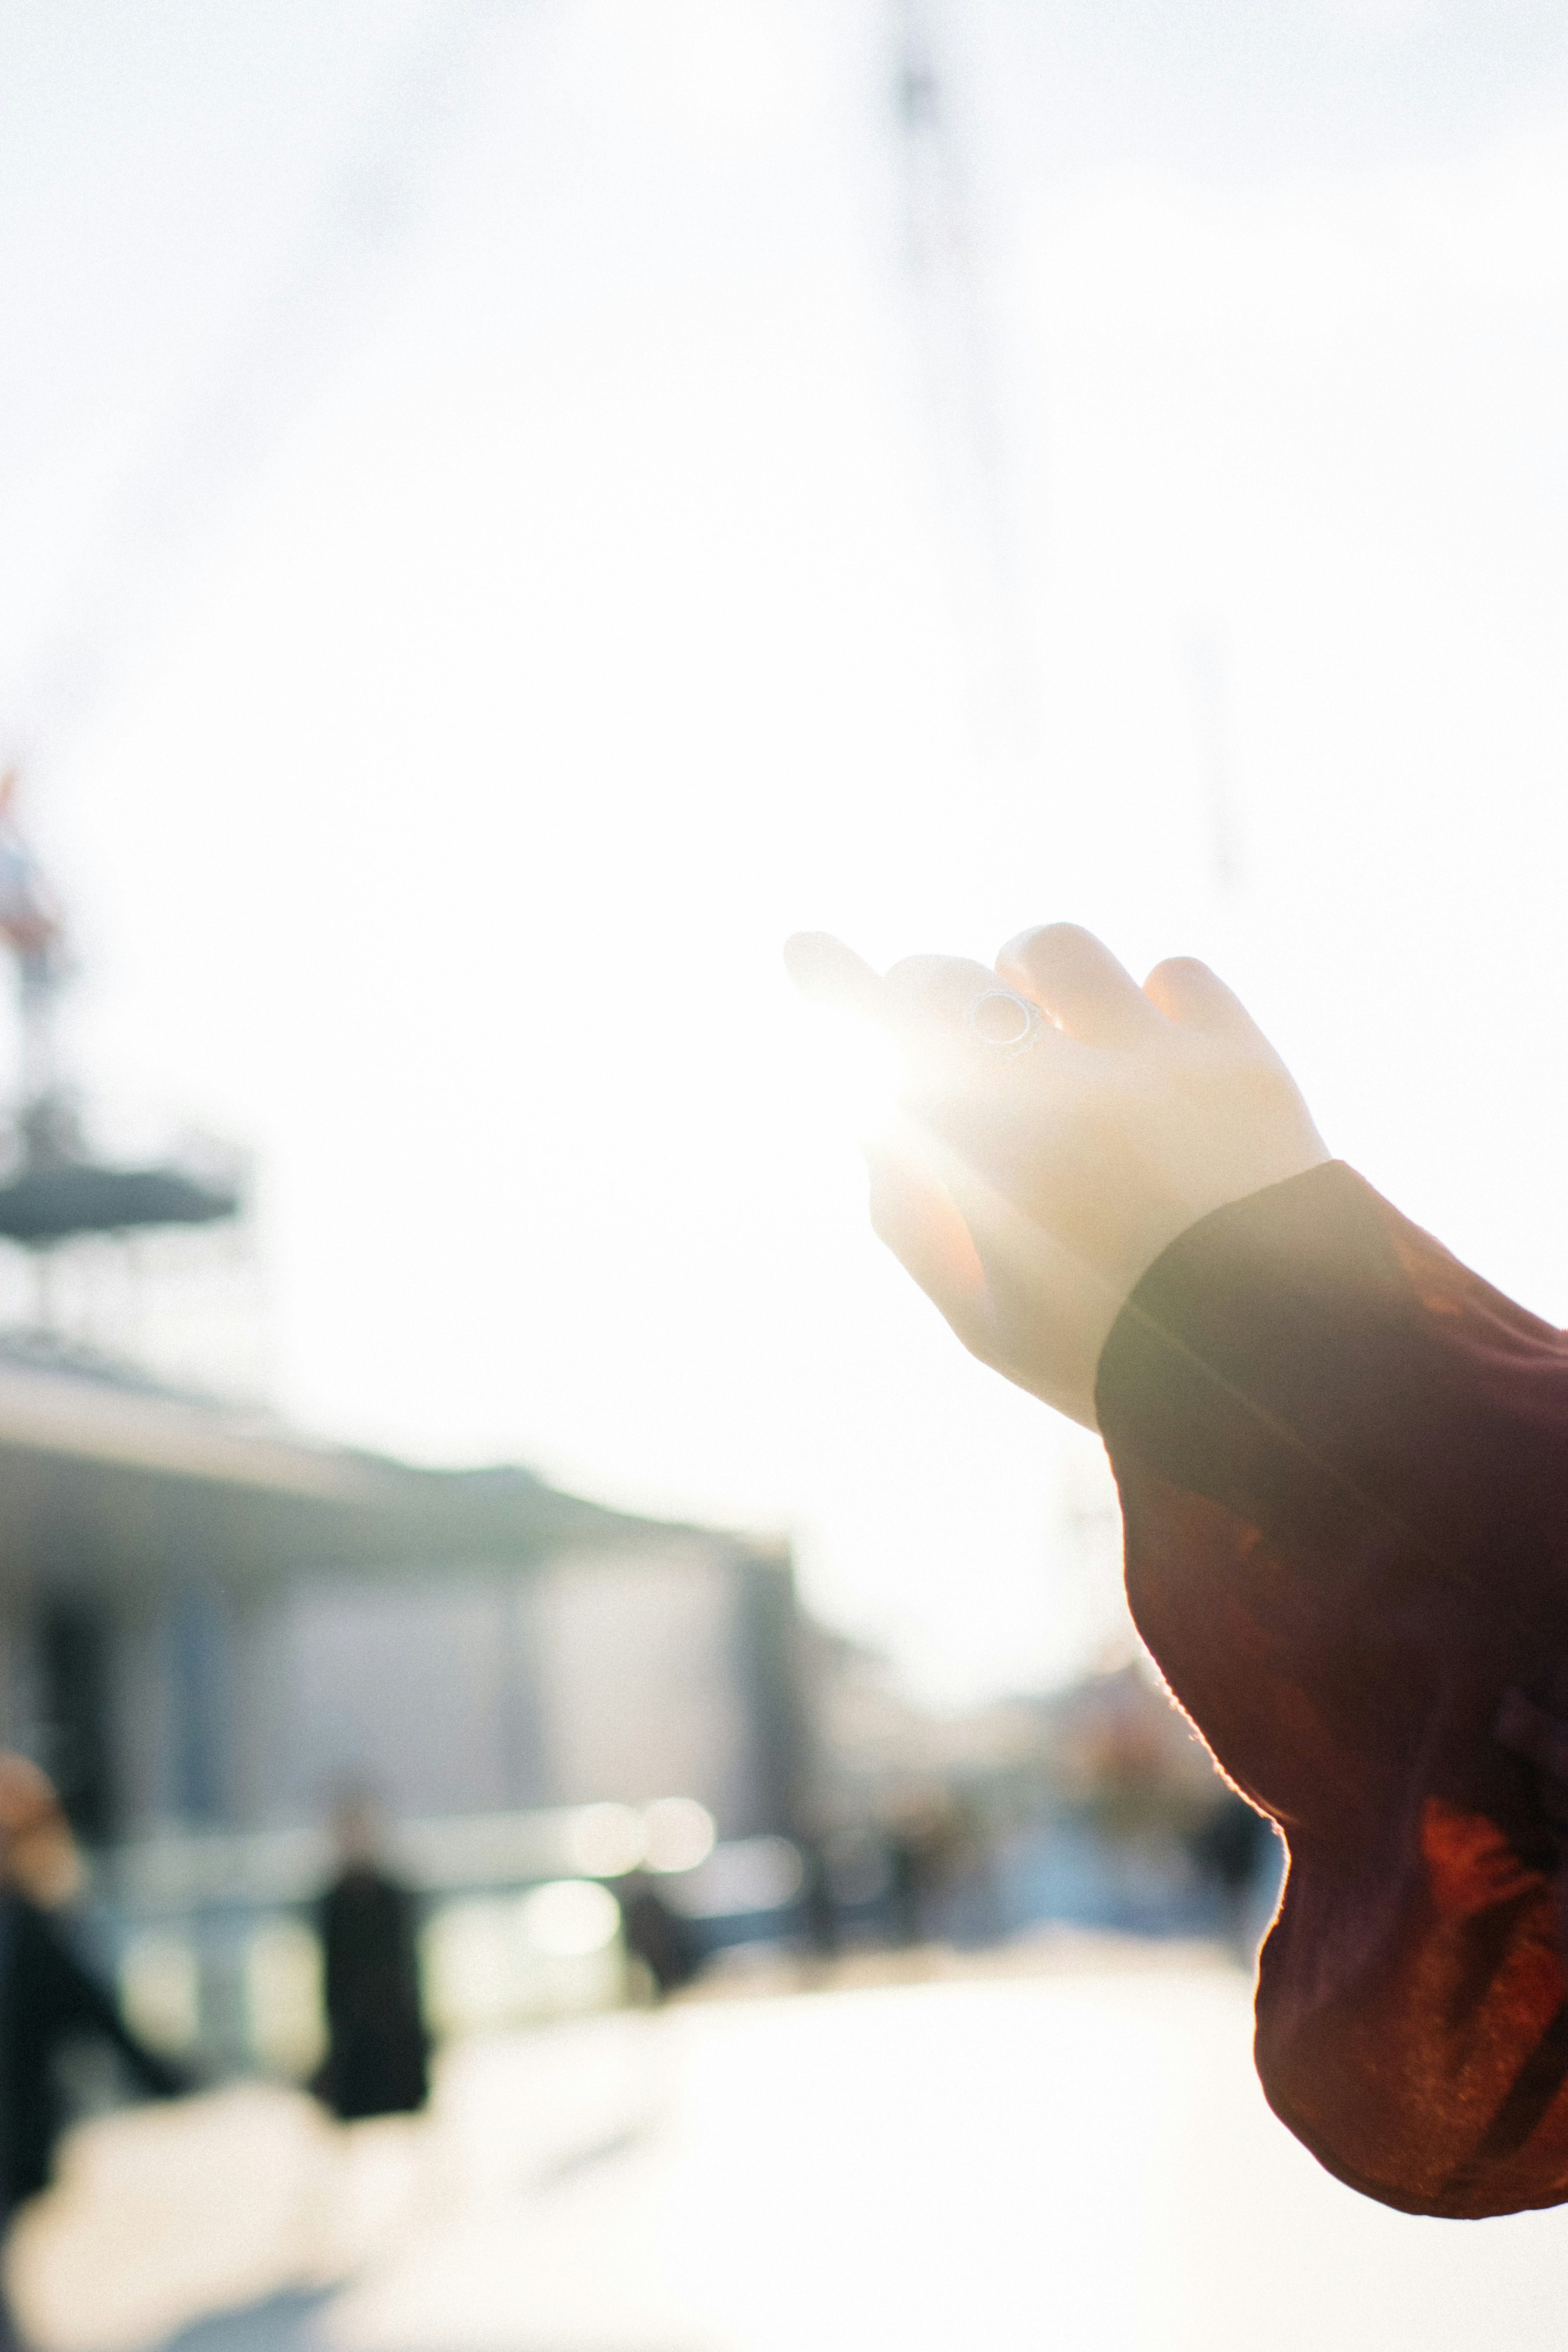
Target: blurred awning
(49, 1205)
(103, 1482)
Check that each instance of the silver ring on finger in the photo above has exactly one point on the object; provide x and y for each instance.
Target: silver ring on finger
(1005, 1024)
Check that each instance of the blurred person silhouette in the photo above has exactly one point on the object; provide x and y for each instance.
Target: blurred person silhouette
(1232, 1846)
(30, 914)
(1342, 1463)
(819, 1896)
(378, 2049)
(923, 1841)
(48, 1999)
(657, 1934)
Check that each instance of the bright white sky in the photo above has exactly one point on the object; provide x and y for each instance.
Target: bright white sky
(495, 543)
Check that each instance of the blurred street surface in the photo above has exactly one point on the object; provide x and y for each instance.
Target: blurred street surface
(1059, 2145)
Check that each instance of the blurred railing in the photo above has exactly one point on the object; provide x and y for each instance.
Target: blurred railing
(212, 1933)
(198, 1869)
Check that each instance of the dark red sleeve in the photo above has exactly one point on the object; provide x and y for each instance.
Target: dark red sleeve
(1343, 1468)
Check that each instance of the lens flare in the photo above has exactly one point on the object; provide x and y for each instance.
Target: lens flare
(857, 1072)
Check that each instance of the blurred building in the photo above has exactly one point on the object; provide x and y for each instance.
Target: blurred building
(208, 1621)
(212, 1626)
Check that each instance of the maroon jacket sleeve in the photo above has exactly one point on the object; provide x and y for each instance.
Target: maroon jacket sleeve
(1343, 1467)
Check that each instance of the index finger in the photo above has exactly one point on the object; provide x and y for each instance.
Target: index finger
(824, 969)
(911, 1012)
(949, 1018)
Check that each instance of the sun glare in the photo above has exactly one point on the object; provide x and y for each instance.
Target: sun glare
(857, 1071)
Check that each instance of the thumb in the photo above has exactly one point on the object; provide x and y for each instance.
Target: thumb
(918, 1220)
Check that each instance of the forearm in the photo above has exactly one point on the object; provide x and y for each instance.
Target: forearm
(1343, 1466)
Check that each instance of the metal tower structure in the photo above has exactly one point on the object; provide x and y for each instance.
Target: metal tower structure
(943, 269)
(56, 1190)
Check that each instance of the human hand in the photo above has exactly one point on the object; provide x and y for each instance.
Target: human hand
(1060, 1128)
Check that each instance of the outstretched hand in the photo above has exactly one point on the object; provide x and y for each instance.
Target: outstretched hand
(1060, 1128)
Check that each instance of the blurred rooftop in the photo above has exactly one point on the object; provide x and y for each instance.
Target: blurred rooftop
(102, 1465)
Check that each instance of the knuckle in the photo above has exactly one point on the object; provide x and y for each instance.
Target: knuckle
(1181, 970)
(918, 971)
(1060, 943)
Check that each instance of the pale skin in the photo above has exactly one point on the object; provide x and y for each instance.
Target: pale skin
(1027, 1193)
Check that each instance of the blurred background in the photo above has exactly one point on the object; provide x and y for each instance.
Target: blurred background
(510, 508)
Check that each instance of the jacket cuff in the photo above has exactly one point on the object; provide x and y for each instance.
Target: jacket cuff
(1313, 1362)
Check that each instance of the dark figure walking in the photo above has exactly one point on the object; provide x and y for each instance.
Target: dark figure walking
(1232, 1846)
(47, 2000)
(377, 2060)
(656, 1934)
